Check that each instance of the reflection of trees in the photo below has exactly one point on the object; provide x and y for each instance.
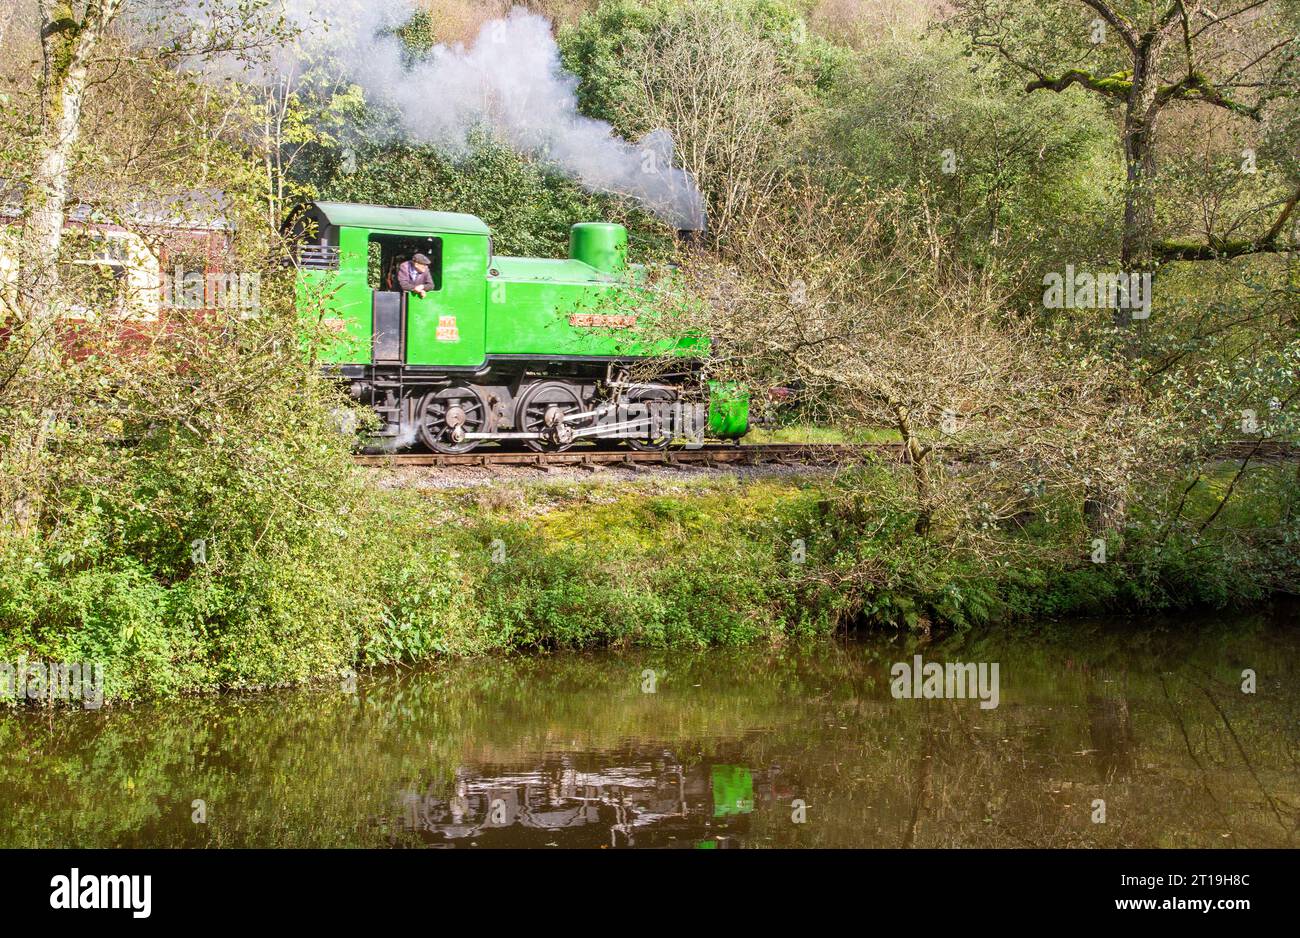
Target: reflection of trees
(1250, 755)
(570, 744)
(1111, 731)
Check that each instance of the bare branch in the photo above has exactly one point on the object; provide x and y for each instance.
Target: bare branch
(1117, 21)
(1216, 20)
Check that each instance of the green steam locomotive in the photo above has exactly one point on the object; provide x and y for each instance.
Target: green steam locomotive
(541, 351)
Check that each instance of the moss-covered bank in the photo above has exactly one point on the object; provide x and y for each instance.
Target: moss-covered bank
(411, 574)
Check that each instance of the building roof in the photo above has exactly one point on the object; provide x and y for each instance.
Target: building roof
(405, 220)
(193, 210)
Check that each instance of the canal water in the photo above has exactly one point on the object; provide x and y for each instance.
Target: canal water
(1138, 733)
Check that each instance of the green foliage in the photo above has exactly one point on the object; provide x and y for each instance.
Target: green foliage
(529, 208)
(311, 572)
(197, 529)
(1031, 179)
(649, 571)
(418, 33)
(602, 47)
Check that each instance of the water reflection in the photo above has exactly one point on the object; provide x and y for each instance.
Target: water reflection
(652, 800)
(761, 747)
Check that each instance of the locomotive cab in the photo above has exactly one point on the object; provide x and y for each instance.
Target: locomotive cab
(348, 260)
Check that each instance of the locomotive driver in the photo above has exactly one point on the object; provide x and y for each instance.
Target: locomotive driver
(413, 276)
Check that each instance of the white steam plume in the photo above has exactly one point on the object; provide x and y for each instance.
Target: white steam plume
(509, 80)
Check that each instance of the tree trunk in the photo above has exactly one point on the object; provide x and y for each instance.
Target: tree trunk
(1140, 116)
(68, 46)
(1104, 510)
(916, 454)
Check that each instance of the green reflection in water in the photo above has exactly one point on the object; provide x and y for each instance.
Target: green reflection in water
(733, 790)
(567, 750)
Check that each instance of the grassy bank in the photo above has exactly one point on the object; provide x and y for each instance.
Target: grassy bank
(409, 574)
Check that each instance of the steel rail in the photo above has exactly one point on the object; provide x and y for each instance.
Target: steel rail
(702, 456)
(722, 455)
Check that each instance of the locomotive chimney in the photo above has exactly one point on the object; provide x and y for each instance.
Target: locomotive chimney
(601, 245)
(692, 238)
(694, 224)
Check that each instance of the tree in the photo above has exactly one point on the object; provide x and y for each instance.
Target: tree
(69, 42)
(841, 297)
(73, 37)
(1150, 55)
(288, 118)
(1009, 178)
(727, 78)
(76, 53)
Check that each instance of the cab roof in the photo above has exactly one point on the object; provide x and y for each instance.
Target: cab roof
(404, 220)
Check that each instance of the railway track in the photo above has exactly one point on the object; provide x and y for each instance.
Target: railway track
(806, 454)
(742, 455)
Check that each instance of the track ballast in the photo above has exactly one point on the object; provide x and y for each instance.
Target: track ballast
(829, 454)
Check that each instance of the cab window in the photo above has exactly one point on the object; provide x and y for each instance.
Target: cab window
(388, 252)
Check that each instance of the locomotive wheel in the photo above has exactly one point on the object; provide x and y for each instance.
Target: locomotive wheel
(444, 412)
(645, 396)
(539, 408)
